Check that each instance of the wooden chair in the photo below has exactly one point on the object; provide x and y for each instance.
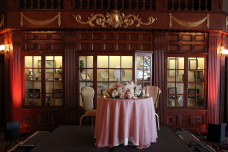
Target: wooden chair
(154, 92)
(87, 94)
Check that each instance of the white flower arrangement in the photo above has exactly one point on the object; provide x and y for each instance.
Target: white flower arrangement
(125, 90)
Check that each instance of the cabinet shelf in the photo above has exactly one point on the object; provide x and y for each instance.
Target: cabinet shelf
(145, 69)
(53, 80)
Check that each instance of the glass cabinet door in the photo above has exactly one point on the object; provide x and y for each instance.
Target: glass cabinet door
(175, 81)
(185, 81)
(196, 81)
(43, 84)
(107, 71)
(32, 81)
(53, 81)
(143, 69)
(85, 73)
(112, 69)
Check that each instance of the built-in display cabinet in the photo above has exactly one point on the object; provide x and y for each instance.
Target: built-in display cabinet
(186, 92)
(43, 85)
(43, 91)
(103, 71)
(186, 81)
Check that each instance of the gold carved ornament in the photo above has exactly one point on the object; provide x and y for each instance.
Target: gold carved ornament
(2, 21)
(114, 19)
(189, 24)
(44, 22)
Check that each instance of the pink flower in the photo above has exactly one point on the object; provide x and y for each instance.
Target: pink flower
(114, 93)
(124, 90)
(122, 96)
(119, 89)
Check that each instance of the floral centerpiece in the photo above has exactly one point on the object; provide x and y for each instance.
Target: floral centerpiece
(125, 90)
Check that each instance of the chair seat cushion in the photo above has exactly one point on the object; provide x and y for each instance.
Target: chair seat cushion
(91, 112)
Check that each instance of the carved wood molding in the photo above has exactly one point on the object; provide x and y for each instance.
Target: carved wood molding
(189, 24)
(114, 19)
(43, 22)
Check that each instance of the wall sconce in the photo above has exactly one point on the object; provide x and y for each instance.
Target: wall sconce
(224, 52)
(4, 49)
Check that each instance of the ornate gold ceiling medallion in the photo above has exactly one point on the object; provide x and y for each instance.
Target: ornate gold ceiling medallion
(41, 23)
(189, 24)
(2, 21)
(114, 19)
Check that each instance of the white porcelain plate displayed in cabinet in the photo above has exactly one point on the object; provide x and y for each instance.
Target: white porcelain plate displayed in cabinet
(104, 74)
(119, 73)
(181, 100)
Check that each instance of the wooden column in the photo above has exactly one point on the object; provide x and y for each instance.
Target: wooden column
(214, 77)
(159, 69)
(71, 92)
(5, 94)
(14, 41)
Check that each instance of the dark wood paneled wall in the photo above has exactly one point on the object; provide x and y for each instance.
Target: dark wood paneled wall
(114, 41)
(187, 42)
(73, 43)
(43, 41)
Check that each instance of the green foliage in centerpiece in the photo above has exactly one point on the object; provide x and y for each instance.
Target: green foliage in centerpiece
(126, 90)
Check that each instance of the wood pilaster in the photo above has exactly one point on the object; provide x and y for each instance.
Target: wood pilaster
(159, 68)
(14, 41)
(214, 78)
(71, 103)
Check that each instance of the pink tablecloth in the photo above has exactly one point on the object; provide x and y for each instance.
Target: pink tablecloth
(119, 121)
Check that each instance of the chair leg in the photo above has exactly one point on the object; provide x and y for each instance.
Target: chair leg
(157, 121)
(80, 123)
(92, 122)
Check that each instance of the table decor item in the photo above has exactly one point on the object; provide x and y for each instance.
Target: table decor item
(104, 74)
(125, 90)
(118, 73)
(181, 100)
(31, 74)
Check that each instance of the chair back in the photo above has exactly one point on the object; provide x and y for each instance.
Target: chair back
(154, 92)
(87, 94)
